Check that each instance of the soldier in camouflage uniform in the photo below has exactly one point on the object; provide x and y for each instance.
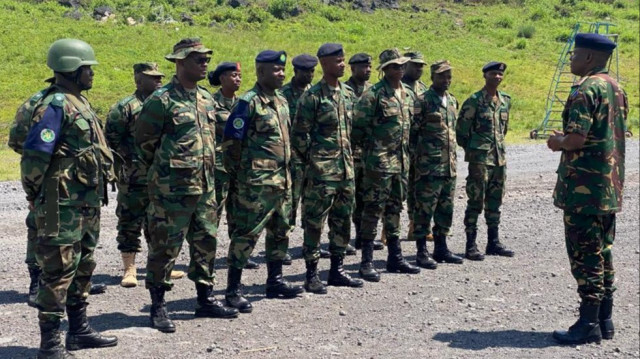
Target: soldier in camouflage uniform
(590, 183)
(360, 65)
(257, 155)
(320, 136)
(175, 139)
(133, 198)
(482, 126)
(65, 166)
(411, 78)
(382, 122)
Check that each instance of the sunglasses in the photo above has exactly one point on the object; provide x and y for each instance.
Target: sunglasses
(201, 60)
(397, 67)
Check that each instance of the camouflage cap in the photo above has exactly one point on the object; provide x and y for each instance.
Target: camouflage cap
(391, 56)
(186, 46)
(147, 68)
(440, 66)
(415, 57)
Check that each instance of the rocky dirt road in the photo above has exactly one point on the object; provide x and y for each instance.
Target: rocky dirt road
(499, 308)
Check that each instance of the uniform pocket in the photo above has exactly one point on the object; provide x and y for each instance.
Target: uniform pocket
(87, 168)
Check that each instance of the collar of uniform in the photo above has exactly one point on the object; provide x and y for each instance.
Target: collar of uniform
(183, 91)
(390, 90)
(434, 95)
(327, 90)
(488, 98)
(139, 96)
(266, 99)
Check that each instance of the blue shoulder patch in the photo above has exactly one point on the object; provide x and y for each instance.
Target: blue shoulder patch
(44, 134)
(238, 121)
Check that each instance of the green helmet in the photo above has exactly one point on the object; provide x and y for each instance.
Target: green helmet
(67, 55)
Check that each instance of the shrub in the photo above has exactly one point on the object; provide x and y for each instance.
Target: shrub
(526, 31)
(283, 9)
(505, 23)
(521, 44)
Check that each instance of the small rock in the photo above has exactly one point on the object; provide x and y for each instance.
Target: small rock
(186, 18)
(342, 313)
(130, 21)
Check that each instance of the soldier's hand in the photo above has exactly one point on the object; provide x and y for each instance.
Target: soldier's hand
(31, 206)
(555, 141)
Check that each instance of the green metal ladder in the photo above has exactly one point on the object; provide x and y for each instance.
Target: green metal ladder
(563, 79)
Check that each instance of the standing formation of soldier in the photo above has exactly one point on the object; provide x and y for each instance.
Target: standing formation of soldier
(347, 150)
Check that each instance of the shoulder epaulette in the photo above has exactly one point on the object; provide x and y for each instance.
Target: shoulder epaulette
(505, 94)
(125, 100)
(57, 99)
(247, 96)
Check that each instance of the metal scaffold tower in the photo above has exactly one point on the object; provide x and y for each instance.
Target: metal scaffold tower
(563, 79)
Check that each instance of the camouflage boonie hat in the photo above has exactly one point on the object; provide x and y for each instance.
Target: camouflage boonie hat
(147, 68)
(186, 46)
(391, 56)
(415, 57)
(440, 66)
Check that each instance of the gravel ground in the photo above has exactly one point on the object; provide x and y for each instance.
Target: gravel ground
(501, 307)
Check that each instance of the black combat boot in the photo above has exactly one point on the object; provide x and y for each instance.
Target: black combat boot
(585, 330)
(50, 344)
(377, 245)
(81, 335)
(350, 251)
(395, 261)
(287, 260)
(423, 258)
(494, 247)
(276, 285)
(98, 289)
(471, 250)
(337, 276)
(251, 264)
(441, 252)
(159, 318)
(324, 253)
(367, 271)
(606, 323)
(233, 295)
(312, 282)
(34, 275)
(208, 306)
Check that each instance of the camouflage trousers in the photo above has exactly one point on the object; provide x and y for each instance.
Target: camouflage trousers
(485, 190)
(298, 180)
(222, 191)
(384, 194)
(133, 201)
(589, 239)
(331, 201)
(251, 210)
(434, 200)
(67, 261)
(173, 219)
(32, 235)
(411, 197)
(359, 203)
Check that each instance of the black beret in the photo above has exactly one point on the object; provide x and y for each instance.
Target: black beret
(272, 57)
(330, 49)
(304, 62)
(595, 42)
(214, 76)
(360, 58)
(494, 65)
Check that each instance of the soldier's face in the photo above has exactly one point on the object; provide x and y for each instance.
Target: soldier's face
(493, 78)
(333, 66)
(578, 61)
(414, 71)
(231, 80)
(394, 72)
(195, 66)
(442, 81)
(361, 72)
(273, 76)
(147, 84)
(85, 80)
(304, 77)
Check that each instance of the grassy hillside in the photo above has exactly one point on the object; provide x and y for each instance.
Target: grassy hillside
(528, 35)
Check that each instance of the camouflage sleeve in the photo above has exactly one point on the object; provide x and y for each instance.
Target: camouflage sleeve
(19, 129)
(149, 126)
(580, 117)
(116, 126)
(235, 132)
(302, 124)
(39, 147)
(363, 116)
(465, 122)
(416, 123)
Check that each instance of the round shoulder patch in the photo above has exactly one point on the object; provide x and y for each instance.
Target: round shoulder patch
(47, 135)
(238, 123)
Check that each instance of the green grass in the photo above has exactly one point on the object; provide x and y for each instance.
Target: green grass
(468, 34)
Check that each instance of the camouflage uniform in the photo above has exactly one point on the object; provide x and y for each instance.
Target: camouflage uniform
(175, 137)
(223, 107)
(297, 167)
(590, 181)
(257, 155)
(133, 198)
(481, 129)
(320, 135)
(65, 166)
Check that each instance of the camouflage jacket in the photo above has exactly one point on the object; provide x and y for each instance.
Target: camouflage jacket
(591, 179)
(22, 123)
(418, 87)
(65, 160)
(482, 126)
(357, 89)
(257, 149)
(119, 130)
(175, 137)
(223, 109)
(433, 137)
(292, 94)
(321, 131)
(381, 126)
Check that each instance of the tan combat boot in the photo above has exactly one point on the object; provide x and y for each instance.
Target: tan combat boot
(177, 274)
(430, 237)
(129, 278)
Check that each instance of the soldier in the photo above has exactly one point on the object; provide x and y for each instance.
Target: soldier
(227, 75)
(257, 155)
(433, 141)
(360, 64)
(133, 198)
(590, 183)
(175, 139)
(320, 135)
(382, 122)
(65, 166)
(482, 126)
